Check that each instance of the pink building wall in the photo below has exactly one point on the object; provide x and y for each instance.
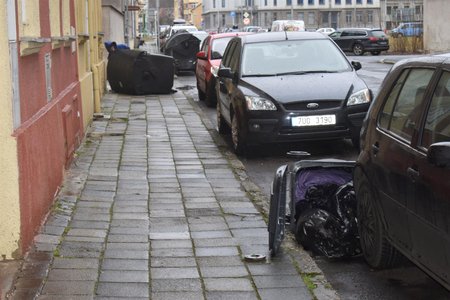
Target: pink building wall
(50, 130)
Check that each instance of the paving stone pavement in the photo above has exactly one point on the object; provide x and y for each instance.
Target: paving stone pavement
(152, 209)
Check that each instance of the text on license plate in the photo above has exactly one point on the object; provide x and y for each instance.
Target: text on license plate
(314, 120)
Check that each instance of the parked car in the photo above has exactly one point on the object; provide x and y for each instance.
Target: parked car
(252, 29)
(402, 176)
(361, 40)
(288, 86)
(408, 29)
(208, 61)
(326, 30)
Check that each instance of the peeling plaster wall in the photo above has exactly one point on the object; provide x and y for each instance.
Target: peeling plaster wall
(9, 195)
(435, 17)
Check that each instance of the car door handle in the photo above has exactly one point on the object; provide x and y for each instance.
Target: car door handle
(375, 148)
(413, 174)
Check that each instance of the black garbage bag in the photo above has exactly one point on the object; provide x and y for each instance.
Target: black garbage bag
(326, 213)
(183, 47)
(136, 72)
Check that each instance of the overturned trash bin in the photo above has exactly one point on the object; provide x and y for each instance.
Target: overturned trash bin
(321, 208)
(136, 72)
(183, 47)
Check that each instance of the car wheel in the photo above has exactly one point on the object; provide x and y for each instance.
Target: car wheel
(375, 52)
(358, 49)
(201, 94)
(210, 98)
(378, 252)
(237, 139)
(222, 126)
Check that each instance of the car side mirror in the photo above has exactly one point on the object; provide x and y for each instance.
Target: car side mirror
(439, 154)
(356, 65)
(201, 55)
(225, 72)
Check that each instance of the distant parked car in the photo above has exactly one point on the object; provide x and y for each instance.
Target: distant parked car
(408, 29)
(252, 29)
(288, 86)
(326, 30)
(208, 61)
(402, 176)
(361, 40)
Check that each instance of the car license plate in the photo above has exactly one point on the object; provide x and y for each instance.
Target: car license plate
(313, 120)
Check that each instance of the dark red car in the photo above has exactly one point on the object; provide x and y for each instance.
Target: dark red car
(402, 175)
(209, 59)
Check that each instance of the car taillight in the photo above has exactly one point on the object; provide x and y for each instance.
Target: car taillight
(373, 39)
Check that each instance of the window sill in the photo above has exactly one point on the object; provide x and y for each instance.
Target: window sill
(31, 45)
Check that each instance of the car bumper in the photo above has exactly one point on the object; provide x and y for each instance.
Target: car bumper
(262, 129)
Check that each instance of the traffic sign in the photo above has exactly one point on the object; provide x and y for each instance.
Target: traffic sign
(246, 21)
(246, 15)
(233, 14)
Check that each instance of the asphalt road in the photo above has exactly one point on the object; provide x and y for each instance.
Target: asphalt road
(352, 278)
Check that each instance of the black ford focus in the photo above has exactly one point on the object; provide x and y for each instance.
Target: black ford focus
(286, 87)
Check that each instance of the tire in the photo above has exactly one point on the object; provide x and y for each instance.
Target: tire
(210, 99)
(239, 143)
(378, 252)
(222, 126)
(358, 49)
(375, 52)
(201, 94)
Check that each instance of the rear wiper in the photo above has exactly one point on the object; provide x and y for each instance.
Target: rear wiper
(305, 72)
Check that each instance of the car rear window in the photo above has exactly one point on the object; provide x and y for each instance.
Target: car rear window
(378, 33)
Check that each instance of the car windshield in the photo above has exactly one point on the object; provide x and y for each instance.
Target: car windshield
(219, 45)
(292, 57)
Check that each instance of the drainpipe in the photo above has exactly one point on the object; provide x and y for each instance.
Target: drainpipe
(14, 59)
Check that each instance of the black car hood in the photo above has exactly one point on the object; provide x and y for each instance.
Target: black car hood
(306, 87)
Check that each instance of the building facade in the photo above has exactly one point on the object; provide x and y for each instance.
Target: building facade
(435, 38)
(395, 12)
(48, 95)
(218, 14)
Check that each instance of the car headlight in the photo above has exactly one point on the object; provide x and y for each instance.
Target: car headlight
(360, 97)
(257, 103)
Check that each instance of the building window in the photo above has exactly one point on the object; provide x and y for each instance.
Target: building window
(321, 2)
(288, 16)
(370, 17)
(265, 2)
(348, 2)
(223, 3)
(299, 2)
(289, 2)
(388, 10)
(358, 1)
(369, 1)
(418, 10)
(301, 16)
(275, 16)
(223, 20)
(214, 3)
(311, 18)
(337, 2)
(359, 17)
(311, 2)
(274, 2)
(348, 17)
